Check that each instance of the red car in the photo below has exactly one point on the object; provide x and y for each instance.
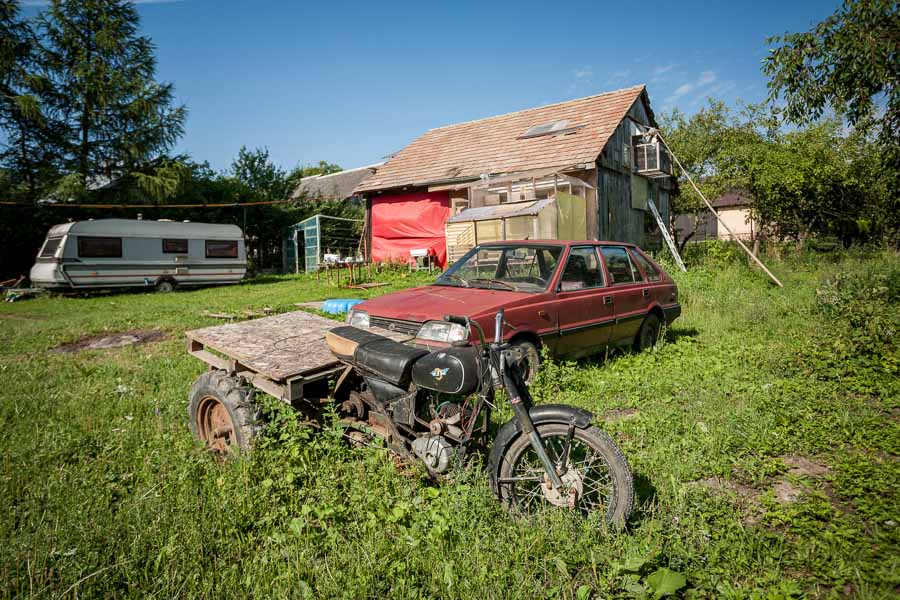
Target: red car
(576, 298)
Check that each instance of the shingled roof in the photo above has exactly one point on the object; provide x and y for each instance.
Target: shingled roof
(336, 186)
(495, 145)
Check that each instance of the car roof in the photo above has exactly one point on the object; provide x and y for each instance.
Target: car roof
(557, 243)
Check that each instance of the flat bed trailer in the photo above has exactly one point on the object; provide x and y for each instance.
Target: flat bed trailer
(284, 355)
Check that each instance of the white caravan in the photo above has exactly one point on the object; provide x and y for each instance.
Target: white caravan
(109, 253)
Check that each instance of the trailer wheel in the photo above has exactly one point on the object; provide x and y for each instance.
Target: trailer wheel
(221, 414)
(164, 286)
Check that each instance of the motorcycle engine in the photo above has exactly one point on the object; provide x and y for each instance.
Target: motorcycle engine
(435, 451)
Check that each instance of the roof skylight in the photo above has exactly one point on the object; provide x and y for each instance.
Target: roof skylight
(554, 127)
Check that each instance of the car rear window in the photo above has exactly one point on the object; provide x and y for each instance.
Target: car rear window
(648, 268)
(621, 269)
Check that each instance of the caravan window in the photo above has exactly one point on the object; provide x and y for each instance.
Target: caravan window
(221, 249)
(99, 247)
(50, 247)
(175, 246)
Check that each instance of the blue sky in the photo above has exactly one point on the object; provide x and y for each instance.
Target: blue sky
(353, 82)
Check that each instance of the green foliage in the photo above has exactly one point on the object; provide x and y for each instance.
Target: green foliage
(262, 178)
(813, 181)
(107, 495)
(113, 116)
(702, 142)
(713, 253)
(865, 307)
(849, 62)
(26, 155)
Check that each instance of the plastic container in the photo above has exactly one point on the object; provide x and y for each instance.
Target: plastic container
(337, 306)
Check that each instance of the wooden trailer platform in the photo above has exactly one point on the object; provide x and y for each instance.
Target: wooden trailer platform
(278, 355)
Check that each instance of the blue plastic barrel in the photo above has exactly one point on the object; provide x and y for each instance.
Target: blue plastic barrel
(339, 305)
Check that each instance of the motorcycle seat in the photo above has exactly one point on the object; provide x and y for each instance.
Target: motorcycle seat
(381, 356)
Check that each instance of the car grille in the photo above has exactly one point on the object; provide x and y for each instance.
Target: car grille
(407, 327)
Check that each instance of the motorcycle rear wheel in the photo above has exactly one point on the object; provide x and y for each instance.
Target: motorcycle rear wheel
(597, 478)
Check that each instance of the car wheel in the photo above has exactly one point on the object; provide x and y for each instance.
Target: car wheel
(164, 286)
(530, 361)
(648, 334)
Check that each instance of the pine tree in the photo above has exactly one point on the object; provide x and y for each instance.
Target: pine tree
(26, 156)
(119, 122)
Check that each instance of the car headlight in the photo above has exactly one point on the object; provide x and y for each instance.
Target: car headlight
(442, 331)
(358, 318)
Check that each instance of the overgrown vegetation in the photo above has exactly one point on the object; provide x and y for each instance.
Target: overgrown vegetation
(763, 433)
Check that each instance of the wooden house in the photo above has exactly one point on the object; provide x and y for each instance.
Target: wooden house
(581, 168)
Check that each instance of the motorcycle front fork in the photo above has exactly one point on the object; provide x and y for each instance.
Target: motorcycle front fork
(520, 407)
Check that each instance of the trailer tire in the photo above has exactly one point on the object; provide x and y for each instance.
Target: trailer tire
(221, 414)
(164, 286)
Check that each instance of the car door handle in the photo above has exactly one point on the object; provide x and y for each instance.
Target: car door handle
(646, 293)
(607, 299)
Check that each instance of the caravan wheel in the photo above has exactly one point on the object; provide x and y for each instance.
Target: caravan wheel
(165, 286)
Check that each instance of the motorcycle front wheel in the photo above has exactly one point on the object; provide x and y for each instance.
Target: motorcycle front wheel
(595, 475)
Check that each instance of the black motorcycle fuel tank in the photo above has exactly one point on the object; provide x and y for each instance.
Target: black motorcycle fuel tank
(453, 370)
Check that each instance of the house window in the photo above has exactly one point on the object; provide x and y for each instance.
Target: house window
(459, 205)
(99, 247)
(221, 249)
(175, 246)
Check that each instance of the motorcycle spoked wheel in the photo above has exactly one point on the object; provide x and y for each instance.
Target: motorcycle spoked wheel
(598, 478)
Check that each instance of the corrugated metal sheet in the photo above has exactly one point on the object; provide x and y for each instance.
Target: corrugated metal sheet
(501, 211)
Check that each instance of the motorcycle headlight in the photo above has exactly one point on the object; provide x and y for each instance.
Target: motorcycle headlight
(442, 331)
(358, 318)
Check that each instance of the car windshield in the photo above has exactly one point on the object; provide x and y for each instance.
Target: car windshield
(525, 268)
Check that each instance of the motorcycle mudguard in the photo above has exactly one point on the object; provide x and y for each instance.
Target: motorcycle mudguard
(545, 413)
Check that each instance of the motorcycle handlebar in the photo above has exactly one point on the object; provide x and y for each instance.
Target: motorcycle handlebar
(456, 319)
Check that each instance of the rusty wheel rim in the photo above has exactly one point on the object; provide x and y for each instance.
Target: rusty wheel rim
(215, 425)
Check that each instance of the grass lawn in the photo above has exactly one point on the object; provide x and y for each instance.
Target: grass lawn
(763, 433)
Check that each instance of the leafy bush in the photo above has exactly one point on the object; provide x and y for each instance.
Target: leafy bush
(712, 252)
(863, 306)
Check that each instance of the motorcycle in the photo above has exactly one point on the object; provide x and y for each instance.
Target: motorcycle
(434, 405)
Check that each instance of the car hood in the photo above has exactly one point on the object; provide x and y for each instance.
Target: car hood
(435, 301)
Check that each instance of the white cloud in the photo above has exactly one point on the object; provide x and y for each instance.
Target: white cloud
(662, 69)
(706, 78)
(584, 73)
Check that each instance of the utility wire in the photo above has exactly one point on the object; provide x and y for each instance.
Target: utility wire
(148, 206)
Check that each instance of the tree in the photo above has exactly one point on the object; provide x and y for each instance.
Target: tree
(703, 143)
(820, 179)
(322, 168)
(264, 179)
(26, 155)
(849, 62)
(117, 118)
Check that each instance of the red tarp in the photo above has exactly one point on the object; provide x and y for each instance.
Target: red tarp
(408, 221)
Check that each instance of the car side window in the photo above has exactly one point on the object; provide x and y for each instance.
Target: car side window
(650, 271)
(621, 269)
(582, 270)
